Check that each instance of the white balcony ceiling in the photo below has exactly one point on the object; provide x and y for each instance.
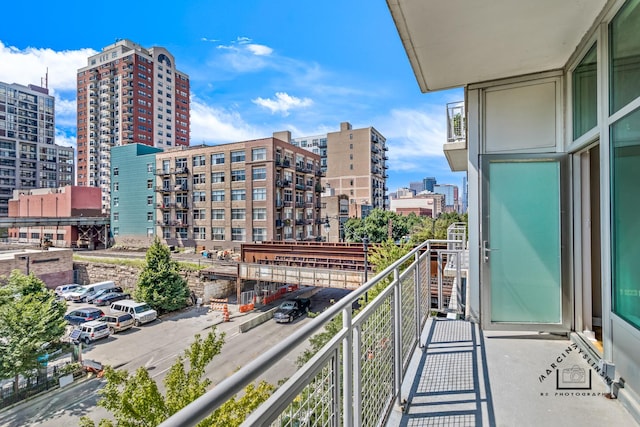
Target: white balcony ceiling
(451, 43)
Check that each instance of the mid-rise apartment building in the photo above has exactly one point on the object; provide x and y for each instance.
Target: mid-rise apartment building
(128, 94)
(354, 162)
(221, 196)
(133, 194)
(29, 157)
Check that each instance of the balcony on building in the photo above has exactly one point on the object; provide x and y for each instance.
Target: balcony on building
(455, 150)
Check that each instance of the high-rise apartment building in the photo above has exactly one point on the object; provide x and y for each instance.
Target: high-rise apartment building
(354, 162)
(128, 94)
(29, 157)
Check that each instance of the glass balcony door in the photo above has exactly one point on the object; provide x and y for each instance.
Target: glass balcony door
(522, 248)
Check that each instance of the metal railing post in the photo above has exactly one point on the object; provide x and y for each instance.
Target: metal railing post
(397, 332)
(418, 294)
(357, 381)
(439, 267)
(347, 370)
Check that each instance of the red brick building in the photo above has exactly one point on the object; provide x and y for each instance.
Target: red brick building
(64, 202)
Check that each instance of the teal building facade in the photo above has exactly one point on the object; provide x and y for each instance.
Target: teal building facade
(133, 197)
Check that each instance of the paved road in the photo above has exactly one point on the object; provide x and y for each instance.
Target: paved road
(156, 346)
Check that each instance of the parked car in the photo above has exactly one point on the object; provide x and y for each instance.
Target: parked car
(290, 309)
(93, 330)
(59, 290)
(141, 311)
(82, 315)
(118, 321)
(87, 291)
(91, 299)
(110, 297)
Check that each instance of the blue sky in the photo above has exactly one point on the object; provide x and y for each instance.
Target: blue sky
(255, 68)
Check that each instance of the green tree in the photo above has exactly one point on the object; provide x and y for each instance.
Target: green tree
(30, 319)
(160, 283)
(135, 400)
(379, 226)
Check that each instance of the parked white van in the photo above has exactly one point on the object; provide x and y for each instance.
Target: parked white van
(81, 294)
(140, 311)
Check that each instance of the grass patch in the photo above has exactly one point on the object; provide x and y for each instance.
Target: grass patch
(138, 263)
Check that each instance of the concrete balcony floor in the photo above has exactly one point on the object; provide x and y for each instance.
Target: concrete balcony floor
(464, 376)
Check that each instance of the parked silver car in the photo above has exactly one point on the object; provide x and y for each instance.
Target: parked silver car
(93, 330)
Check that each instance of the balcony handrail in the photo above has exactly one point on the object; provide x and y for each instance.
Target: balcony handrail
(456, 122)
(348, 338)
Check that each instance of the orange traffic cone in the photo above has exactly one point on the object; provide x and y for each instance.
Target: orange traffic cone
(225, 313)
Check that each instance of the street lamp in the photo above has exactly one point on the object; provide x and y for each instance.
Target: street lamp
(327, 226)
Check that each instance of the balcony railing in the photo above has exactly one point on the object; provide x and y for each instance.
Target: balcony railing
(456, 122)
(356, 378)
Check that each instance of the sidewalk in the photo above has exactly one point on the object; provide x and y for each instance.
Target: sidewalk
(466, 377)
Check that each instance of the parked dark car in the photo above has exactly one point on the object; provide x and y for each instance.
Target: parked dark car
(82, 315)
(110, 297)
(290, 309)
(101, 292)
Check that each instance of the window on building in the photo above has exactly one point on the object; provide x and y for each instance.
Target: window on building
(217, 196)
(199, 214)
(199, 233)
(259, 234)
(116, 186)
(217, 214)
(239, 194)
(116, 172)
(149, 200)
(217, 177)
(199, 196)
(237, 156)
(116, 216)
(149, 216)
(199, 178)
(116, 201)
(149, 167)
(259, 173)
(149, 183)
(259, 194)
(259, 214)
(217, 233)
(199, 161)
(624, 48)
(217, 159)
(238, 213)
(238, 175)
(237, 234)
(259, 154)
(625, 159)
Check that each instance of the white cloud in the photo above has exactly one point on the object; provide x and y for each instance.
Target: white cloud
(65, 140)
(29, 66)
(213, 125)
(259, 49)
(282, 103)
(243, 56)
(413, 136)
